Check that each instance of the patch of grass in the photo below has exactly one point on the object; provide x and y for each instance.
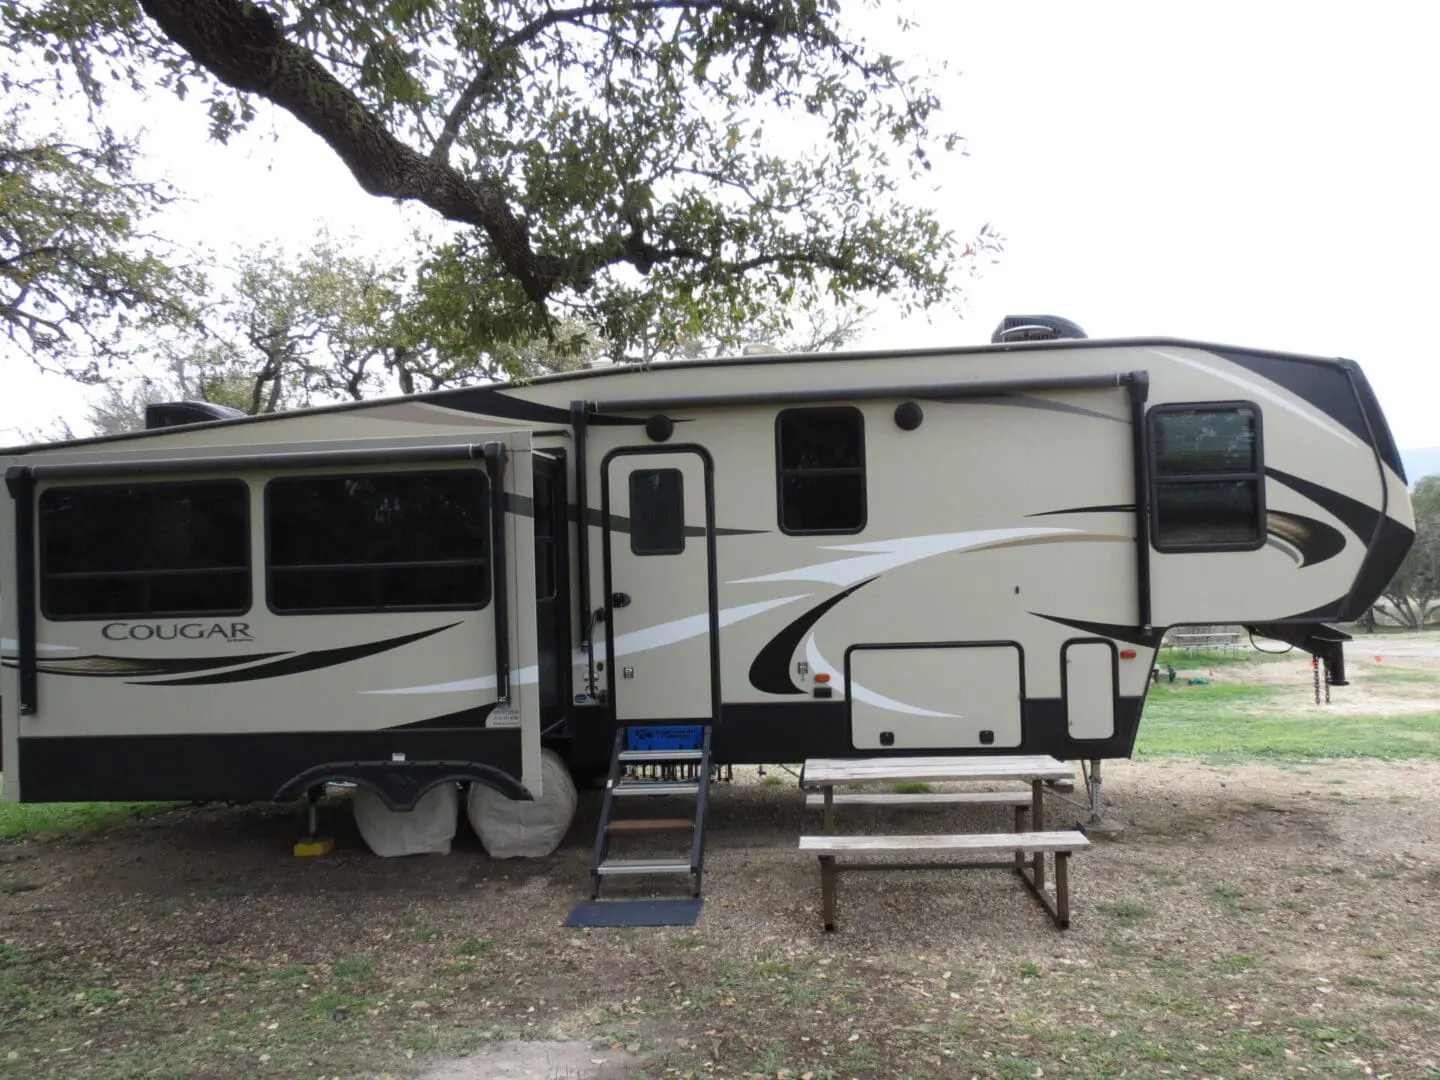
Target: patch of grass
(1324, 1033)
(1383, 875)
(340, 1007)
(863, 1056)
(473, 946)
(1238, 962)
(1409, 1010)
(27, 821)
(1359, 982)
(771, 780)
(1030, 971)
(1226, 722)
(353, 969)
(910, 787)
(1125, 912)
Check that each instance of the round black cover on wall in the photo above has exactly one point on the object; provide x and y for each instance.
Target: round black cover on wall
(908, 416)
(659, 428)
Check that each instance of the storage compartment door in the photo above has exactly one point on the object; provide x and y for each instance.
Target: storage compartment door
(942, 697)
(1089, 675)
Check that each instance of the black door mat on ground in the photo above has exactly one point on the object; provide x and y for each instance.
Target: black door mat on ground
(635, 913)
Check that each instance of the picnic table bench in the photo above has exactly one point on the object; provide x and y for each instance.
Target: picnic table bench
(1034, 769)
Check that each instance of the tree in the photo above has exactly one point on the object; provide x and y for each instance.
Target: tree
(205, 371)
(653, 167)
(1414, 592)
(75, 271)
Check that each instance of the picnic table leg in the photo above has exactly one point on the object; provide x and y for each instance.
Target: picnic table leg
(829, 820)
(1037, 823)
(1062, 889)
(1019, 828)
(827, 891)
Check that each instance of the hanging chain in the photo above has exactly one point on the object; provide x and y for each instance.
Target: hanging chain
(1315, 669)
(1327, 680)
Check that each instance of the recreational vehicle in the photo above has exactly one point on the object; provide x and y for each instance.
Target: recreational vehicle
(950, 550)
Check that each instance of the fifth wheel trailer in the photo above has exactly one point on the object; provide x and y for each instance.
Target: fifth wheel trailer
(950, 550)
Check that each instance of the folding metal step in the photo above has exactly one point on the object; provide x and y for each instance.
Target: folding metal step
(660, 757)
(657, 787)
(643, 866)
(649, 825)
(696, 761)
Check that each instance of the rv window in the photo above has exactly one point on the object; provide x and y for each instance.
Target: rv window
(657, 512)
(821, 458)
(145, 550)
(378, 542)
(1208, 482)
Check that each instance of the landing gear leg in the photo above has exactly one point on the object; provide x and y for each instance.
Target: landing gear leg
(312, 843)
(1099, 827)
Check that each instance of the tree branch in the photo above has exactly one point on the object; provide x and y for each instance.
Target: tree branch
(480, 85)
(243, 46)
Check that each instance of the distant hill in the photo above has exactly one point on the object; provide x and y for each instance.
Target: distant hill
(1421, 463)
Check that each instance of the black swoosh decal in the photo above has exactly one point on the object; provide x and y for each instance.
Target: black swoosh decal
(1131, 634)
(1358, 518)
(1315, 540)
(1323, 386)
(110, 667)
(297, 663)
(465, 718)
(1325, 611)
(770, 670)
(1116, 508)
(596, 520)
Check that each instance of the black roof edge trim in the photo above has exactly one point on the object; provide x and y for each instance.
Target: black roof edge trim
(437, 397)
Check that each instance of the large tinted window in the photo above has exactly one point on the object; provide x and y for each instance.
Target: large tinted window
(140, 550)
(657, 512)
(821, 459)
(1209, 489)
(378, 542)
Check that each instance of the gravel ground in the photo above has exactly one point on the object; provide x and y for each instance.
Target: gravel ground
(1252, 920)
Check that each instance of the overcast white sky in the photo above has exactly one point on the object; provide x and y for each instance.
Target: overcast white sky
(1251, 174)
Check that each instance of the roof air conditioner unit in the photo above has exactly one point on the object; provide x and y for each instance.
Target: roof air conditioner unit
(1014, 328)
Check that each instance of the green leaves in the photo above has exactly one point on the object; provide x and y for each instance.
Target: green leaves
(76, 272)
(648, 166)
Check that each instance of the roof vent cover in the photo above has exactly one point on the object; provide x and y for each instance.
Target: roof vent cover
(178, 413)
(1015, 328)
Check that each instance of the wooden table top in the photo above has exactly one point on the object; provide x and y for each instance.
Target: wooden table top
(825, 772)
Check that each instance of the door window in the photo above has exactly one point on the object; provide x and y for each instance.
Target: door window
(657, 512)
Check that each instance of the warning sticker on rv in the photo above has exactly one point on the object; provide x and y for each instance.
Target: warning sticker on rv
(505, 714)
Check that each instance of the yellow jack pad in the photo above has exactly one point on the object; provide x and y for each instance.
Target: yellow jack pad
(314, 845)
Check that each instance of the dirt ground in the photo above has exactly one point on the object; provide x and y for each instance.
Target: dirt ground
(1252, 920)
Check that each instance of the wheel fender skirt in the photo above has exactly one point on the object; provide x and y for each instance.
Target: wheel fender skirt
(1318, 639)
(401, 783)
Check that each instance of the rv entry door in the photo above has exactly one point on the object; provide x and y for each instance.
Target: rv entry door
(661, 627)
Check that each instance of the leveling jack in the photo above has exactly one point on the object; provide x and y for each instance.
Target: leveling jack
(312, 843)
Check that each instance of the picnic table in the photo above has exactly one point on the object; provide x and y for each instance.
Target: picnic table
(825, 774)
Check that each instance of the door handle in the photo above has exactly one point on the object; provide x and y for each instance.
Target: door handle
(619, 600)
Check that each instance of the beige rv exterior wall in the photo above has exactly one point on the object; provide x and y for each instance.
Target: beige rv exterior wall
(445, 672)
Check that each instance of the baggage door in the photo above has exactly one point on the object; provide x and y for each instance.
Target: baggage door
(1089, 676)
(661, 632)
